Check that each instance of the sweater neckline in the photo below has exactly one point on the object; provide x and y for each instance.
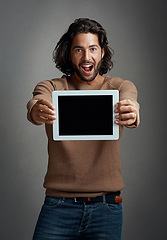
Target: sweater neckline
(83, 85)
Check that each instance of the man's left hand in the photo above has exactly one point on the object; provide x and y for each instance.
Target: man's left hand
(127, 112)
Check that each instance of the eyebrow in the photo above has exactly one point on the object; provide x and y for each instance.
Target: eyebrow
(94, 45)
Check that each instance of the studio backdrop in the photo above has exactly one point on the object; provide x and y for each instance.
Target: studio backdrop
(136, 31)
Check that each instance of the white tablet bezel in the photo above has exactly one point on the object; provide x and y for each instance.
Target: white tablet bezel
(57, 137)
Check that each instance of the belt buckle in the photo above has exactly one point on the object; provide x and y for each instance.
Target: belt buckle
(87, 200)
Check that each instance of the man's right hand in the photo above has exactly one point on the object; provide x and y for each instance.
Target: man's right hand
(43, 112)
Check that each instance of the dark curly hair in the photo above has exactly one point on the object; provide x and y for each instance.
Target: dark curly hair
(62, 49)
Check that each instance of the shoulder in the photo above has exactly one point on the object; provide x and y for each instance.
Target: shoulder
(60, 83)
(119, 83)
(53, 84)
(115, 82)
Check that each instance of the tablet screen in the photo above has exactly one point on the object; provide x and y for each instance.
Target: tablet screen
(85, 115)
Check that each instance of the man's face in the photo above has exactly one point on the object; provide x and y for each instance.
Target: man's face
(86, 55)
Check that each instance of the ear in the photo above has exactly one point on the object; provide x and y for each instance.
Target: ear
(102, 52)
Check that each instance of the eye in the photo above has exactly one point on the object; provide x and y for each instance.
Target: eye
(78, 50)
(93, 49)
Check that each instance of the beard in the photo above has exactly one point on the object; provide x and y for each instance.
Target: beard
(80, 74)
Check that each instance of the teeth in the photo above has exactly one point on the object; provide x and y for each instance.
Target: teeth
(86, 66)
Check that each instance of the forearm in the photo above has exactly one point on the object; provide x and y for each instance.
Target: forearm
(128, 107)
(40, 107)
(30, 105)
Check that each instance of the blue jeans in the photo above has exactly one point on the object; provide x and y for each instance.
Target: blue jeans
(64, 219)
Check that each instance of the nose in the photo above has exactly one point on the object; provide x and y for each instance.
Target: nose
(87, 55)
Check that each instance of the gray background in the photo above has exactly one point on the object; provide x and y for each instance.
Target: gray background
(137, 33)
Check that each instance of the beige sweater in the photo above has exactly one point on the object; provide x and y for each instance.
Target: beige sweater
(82, 168)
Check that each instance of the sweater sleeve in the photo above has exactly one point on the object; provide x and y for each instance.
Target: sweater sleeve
(43, 90)
(128, 91)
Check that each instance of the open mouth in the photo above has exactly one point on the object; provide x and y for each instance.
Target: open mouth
(87, 68)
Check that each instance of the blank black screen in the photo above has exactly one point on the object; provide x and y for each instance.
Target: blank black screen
(86, 115)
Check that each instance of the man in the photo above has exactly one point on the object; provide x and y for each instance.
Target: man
(83, 180)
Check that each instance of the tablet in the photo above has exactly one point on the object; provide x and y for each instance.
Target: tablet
(85, 115)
